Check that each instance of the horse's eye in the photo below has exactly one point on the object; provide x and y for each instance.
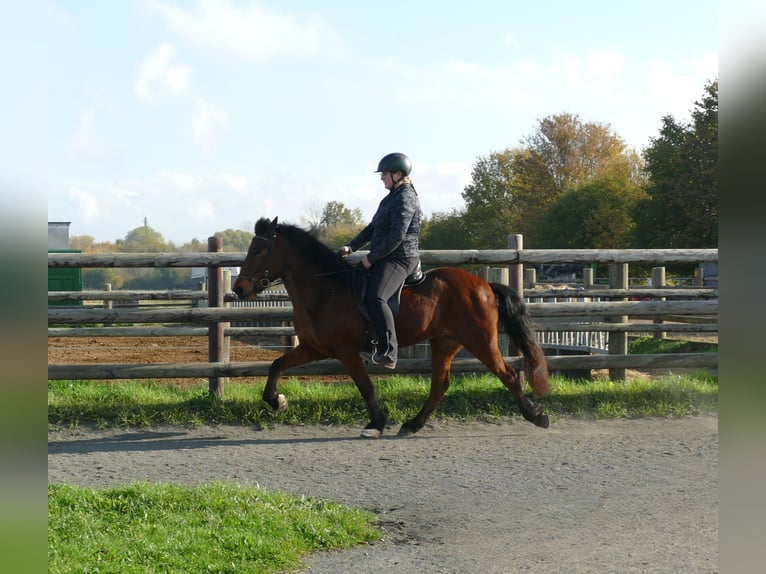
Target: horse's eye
(257, 252)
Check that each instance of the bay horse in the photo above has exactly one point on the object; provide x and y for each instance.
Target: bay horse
(451, 308)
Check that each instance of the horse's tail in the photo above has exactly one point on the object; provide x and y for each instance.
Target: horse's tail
(518, 324)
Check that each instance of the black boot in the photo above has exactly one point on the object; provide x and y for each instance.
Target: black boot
(387, 358)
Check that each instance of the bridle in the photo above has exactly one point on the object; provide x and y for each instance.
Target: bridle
(265, 282)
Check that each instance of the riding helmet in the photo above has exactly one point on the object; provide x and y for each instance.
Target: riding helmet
(395, 162)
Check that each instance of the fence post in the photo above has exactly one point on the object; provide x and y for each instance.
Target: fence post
(516, 282)
(587, 278)
(618, 341)
(216, 347)
(658, 280)
(530, 278)
(107, 302)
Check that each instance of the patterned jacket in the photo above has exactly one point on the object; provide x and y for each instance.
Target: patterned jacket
(394, 229)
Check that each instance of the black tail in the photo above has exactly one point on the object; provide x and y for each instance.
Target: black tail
(518, 324)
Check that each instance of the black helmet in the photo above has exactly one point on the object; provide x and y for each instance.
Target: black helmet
(395, 162)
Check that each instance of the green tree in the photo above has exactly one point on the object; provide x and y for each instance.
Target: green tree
(336, 213)
(338, 224)
(681, 209)
(145, 240)
(491, 210)
(511, 191)
(235, 239)
(444, 231)
(594, 216)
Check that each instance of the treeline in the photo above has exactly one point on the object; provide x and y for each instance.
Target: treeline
(569, 185)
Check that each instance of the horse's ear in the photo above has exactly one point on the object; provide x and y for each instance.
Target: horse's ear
(274, 223)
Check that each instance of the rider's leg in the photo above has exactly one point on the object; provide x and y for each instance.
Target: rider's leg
(386, 277)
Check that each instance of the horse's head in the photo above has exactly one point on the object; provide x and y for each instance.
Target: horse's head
(260, 269)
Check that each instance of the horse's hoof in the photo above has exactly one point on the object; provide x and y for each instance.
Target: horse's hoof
(542, 421)
(371, 433)
(278, 403)
(406, 430)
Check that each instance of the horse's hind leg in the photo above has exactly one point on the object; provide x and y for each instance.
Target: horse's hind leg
(493, 359)
(443, 350)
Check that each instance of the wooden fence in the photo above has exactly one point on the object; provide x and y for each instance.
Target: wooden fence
(612, 311)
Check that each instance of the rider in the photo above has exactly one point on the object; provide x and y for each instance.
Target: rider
(393, 238)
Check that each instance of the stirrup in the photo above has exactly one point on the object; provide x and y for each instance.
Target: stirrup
(369, 356)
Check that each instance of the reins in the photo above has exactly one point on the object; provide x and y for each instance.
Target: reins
(265, 282)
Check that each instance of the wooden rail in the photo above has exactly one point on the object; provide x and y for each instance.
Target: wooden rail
(610, 316)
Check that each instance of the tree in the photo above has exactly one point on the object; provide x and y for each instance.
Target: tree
(491, 210)
(335, 213)
(145, 240)
(338, 224)
(594, 216)
(511, 191)
(444, 231)
(235, 239)
(681, 209)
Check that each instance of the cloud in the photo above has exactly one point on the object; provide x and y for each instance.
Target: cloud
(248, 31)
(605, 65)
(160, 75)
(87, 203)
(677, 91)
(206, 121)
(87, 143)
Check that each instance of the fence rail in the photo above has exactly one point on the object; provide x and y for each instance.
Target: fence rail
(587, 310)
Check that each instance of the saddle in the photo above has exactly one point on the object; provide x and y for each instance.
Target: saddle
(360, 279)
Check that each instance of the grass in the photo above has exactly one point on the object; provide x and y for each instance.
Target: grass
(649, 345)
(145, 528)
(128, 403)
(230, 528)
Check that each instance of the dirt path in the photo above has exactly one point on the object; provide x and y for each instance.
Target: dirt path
(622, 496)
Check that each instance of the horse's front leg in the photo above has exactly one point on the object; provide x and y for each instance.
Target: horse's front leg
(300, 355)
(355, 367)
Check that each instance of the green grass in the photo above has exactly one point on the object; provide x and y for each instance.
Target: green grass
(148, 403)
(649, 345)
(145, 528)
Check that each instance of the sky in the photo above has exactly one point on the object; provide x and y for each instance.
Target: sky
(203, 115)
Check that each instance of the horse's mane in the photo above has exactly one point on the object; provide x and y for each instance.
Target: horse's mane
(311, 249)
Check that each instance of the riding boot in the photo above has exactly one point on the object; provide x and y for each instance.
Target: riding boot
(388, 357)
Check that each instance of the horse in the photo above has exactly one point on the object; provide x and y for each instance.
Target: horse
(451, 308)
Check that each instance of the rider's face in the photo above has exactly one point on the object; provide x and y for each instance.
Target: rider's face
(387, 178)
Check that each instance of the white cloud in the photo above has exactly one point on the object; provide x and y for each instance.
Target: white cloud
(160, 74)
(676, 91)
(201, 210)
(707, 64)
(248, 31)
(87, 143)
(605, 65)
(206, 121)
(86, 203)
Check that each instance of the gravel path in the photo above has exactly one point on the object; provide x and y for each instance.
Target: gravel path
(583, 496)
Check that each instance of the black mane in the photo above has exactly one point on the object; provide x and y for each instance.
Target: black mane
(312, 249)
